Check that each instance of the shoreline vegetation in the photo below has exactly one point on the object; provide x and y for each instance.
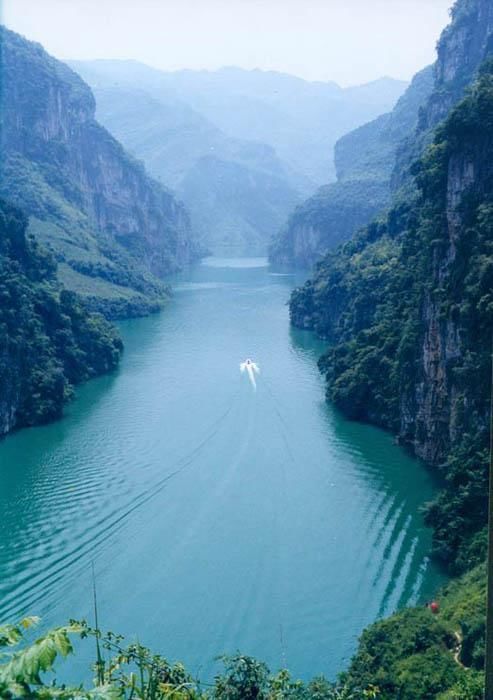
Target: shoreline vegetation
(49, 342)
(405, 308)
(416, 653)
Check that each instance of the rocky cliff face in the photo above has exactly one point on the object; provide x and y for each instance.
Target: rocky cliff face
(445, 404)
(237, 192)
(407, 306)
(429, 413)
(383, 151)
(88, 200)
(364, 160)
(462, 47)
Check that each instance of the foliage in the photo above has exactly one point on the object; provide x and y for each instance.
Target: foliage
(417, 654)
(327, 219)
(422, 277)
(48, 341)
(406, 656)
(413, 654)
(469, 687)
(122, 672)
(62, 226)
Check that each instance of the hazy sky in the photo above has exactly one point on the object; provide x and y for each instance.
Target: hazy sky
(349, 41)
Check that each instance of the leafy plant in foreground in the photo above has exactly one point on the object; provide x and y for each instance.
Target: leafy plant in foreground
(128, 672)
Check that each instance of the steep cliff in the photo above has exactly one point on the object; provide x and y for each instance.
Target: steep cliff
(462, 47)
(237, 192)
(364, 160)
(407, 305)
(325, 220)
(112, 227)
(48, 341)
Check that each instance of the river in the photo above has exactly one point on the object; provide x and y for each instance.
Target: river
(218, 518)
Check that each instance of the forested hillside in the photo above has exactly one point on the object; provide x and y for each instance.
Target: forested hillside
(48, 341)
(406, 306)
(113, 230)
(420, 654)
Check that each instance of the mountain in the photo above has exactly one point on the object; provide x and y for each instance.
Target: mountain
(300, 119)
(113, 230)
(236, 208)
(462, 47)
(407, 307)
(268, 131)
(171, 137)
(191, 155)
(364, 162)
(48, 341)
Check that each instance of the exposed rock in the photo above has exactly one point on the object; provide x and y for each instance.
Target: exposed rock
(88, 200)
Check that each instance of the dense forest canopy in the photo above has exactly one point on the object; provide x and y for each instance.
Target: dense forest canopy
(373, 301)
(48, 340)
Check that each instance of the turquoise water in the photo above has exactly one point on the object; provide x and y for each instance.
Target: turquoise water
(218, 518)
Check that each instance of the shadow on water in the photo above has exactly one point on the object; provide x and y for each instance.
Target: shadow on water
(29, 502)
(30, 455)
(307, 343)
(402, 485)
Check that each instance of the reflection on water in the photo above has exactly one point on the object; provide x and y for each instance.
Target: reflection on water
(218, 518)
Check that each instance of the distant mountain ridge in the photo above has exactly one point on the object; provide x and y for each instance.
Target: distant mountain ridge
(191, 127)
(113, 229)
(184, 150)
(374, 161)
(302, 120)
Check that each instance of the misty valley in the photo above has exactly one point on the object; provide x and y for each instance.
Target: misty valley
(245, 375)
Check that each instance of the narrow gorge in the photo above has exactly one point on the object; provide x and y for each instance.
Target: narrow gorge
(162, 227)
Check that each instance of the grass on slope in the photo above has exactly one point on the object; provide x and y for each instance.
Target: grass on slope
(416, 654)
